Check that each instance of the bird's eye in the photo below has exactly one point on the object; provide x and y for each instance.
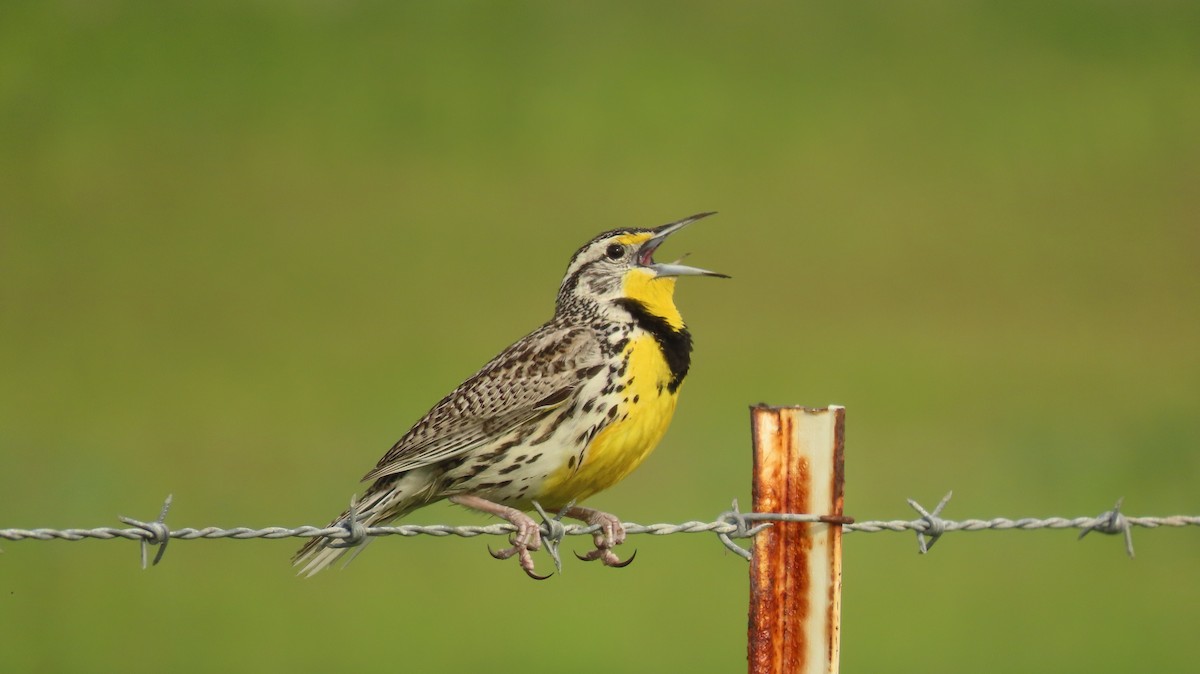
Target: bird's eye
(615, 251)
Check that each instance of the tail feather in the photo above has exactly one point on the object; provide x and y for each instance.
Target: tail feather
(381, 504)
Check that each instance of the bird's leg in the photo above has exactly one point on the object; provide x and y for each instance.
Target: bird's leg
(612, 533)
(528, 536)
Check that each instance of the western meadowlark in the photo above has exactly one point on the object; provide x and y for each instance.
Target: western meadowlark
(565, 412)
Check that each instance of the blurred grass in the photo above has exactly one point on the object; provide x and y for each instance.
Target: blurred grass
(244, 246)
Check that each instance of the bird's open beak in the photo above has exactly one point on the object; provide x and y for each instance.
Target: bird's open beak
(645, 254)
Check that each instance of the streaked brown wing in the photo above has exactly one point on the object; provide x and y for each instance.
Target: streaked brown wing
(529, 378)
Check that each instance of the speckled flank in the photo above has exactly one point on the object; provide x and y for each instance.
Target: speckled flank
(639, 420)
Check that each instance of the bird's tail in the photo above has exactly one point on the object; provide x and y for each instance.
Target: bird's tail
(389, 498)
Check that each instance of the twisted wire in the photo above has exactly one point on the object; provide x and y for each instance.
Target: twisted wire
(729, 526)
(659, 529)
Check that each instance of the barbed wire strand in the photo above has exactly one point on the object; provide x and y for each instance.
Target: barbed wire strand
(728, 527)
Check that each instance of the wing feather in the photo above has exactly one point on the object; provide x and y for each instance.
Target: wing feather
(528, 379)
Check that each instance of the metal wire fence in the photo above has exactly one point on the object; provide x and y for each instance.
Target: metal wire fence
(728, 527)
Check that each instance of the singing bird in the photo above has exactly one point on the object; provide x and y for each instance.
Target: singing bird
(564, 413)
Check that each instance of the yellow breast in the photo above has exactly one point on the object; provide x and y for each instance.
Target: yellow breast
(644, 410)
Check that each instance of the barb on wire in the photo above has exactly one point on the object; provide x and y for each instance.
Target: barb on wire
(738, 520)
(553, 532)
(158, 533)
(729, 526)
(1112, 522)
(735, 517)
(356, 533)
(935, 526)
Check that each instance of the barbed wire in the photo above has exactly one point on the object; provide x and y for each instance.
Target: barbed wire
(728, 527)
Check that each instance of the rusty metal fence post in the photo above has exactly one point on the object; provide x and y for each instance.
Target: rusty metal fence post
(796, 568)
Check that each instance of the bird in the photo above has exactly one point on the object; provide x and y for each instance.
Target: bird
(563, 413)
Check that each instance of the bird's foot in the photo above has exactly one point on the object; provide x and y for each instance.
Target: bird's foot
(611, 534)
(527, 537)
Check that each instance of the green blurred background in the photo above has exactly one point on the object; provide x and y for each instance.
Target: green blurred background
(245, 245)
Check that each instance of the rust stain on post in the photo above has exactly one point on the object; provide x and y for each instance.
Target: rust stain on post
(796, 570)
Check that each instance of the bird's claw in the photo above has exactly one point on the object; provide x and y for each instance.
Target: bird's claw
(527, 537)
(535, 576)
(611, 534)
(621, 565)
(608, 557)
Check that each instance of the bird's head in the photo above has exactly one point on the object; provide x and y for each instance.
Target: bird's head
(619, 265)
